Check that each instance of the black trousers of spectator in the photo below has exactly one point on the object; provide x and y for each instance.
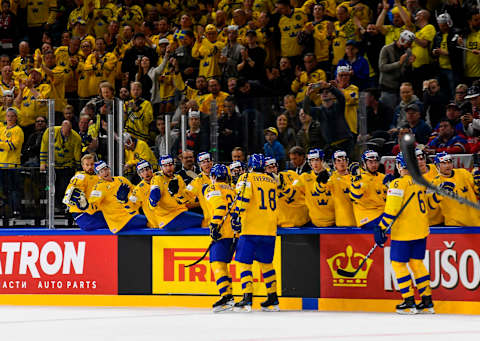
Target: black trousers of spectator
(10, 183)
(62, 178)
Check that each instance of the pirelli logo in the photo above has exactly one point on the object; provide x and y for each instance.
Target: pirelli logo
(170, 255)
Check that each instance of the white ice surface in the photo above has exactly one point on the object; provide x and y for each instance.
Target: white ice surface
(134, 324)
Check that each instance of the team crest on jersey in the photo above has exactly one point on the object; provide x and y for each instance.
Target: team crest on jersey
(298, 17)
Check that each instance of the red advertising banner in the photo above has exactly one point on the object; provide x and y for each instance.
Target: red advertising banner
(58, 265)
(452, 259)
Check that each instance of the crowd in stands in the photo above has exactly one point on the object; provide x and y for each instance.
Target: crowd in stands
(275, 76)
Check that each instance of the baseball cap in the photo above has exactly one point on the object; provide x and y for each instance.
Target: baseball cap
(272, 130)
(472, 92)
(412, 106)
(453, 104)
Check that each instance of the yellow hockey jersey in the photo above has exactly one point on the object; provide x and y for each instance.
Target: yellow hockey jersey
(139, 198)
(257, 204)
(100, 69)
(351, 107)
(141, 152)
(21, 67)
(318, 199)
(168, 207)
(138, 116)
(368, 195)
(291, 200)
(57, 86)
(83, 181)
(343, 33)
(289, 27)
(413, 223)
(195, 190)
(68, 149)
(218, 198)
(32, 106)
(454, 213)
(340, 187)
(209, 54)
(11, 142)
(299, 87)
(472, 61)
(104, 198)
(40, 12)
(435, 216)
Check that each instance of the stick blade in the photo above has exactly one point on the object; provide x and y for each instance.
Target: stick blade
(344, 273)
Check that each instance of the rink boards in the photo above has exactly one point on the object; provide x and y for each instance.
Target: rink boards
(147, 268)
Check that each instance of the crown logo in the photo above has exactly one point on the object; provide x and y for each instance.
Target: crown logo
(349, 261)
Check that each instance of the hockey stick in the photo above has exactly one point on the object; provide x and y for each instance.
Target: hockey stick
(345, 273)
(407, 145)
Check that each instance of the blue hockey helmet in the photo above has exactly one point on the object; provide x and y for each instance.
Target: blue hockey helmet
(370, 155)
(99, 165)
(442, 157)
(166, 160)
(400, 160)
(256, 162)
(315, 153)
(219, 172)
(142, 164)
(270, 161)
(203, 156)
(339, 154)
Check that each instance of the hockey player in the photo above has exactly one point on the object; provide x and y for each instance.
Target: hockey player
(461, 182)
(80, 186)
(110, 195)
(141, 192)
(167, 199)
(218, 197)
(339, 185)
(256, 219)
(409, 239)
(318, 198)
(429, 172)
(367, 190)
(289, 200)
(194, 190)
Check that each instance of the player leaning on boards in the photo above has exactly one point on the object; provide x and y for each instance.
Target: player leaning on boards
(141, 192)
(218, 197)
(77, 192)
(256, 221)
(409, 238)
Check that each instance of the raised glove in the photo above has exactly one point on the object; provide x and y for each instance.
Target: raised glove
(354, 168)
(78, 199)
(448, 186)
(154, 197)
(236, 222)
(388, 178)
(173, 187)
(215, 232)
(379, 235)
(323, 177)
(122, 193)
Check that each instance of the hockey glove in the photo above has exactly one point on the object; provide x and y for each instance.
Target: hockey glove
(173, 187)
(78, 199)
(236, 222)
(154, 197)
(215, 232)
(388, 178)
(323, 177)
(379, 235)
(122, 193)
(448, 186)
(354, 169)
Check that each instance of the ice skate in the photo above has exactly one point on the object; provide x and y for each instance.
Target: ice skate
(223, 304)
(245, 305)
(271, 304)
(426, 306)
(408, 307)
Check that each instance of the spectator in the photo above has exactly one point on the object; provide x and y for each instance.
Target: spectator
(31, 148)
(310, 134)
(134, 54)
(139, 114)
(343, 31)
(407, 97)
(85, 91)
(460, 93)
(69, 115)
(188, 170)
(208, 51)
(252, 66)
(9, 31)
(317, 32)
(281, 78)
(298, 161)
(312, 74)
(434, 101)
(229, 128)
(471, 121)
(11, 141)
(161, 138)
(401, 133)
(286, 134)
(231, 55)
(145, 77)
(379, 115)
(22, 64)
(350, 91)
(373, 43)
(454, 114)
(135, 151)
(214, 95)
(418, 126)
(7, 102)
(400, 22)
(197, 138)
(394, 62)
(187, 65)
(446, 141)
(292, 20)
(7, 78)
(100, 65)
(68, 145)
(272, 147)
(361, 70)
(472, 59)
(238, 154)
(292, 111)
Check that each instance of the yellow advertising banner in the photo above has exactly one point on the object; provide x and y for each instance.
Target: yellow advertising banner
(170, 276)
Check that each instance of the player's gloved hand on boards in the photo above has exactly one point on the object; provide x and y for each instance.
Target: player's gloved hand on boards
(215, 232)
(379, 235)
(154, 197)
(354, 168)
(173, 187)
(122, 193)
(448, 186)
(388, 178)
(78, 199)
(323, 177)
(236, 222)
